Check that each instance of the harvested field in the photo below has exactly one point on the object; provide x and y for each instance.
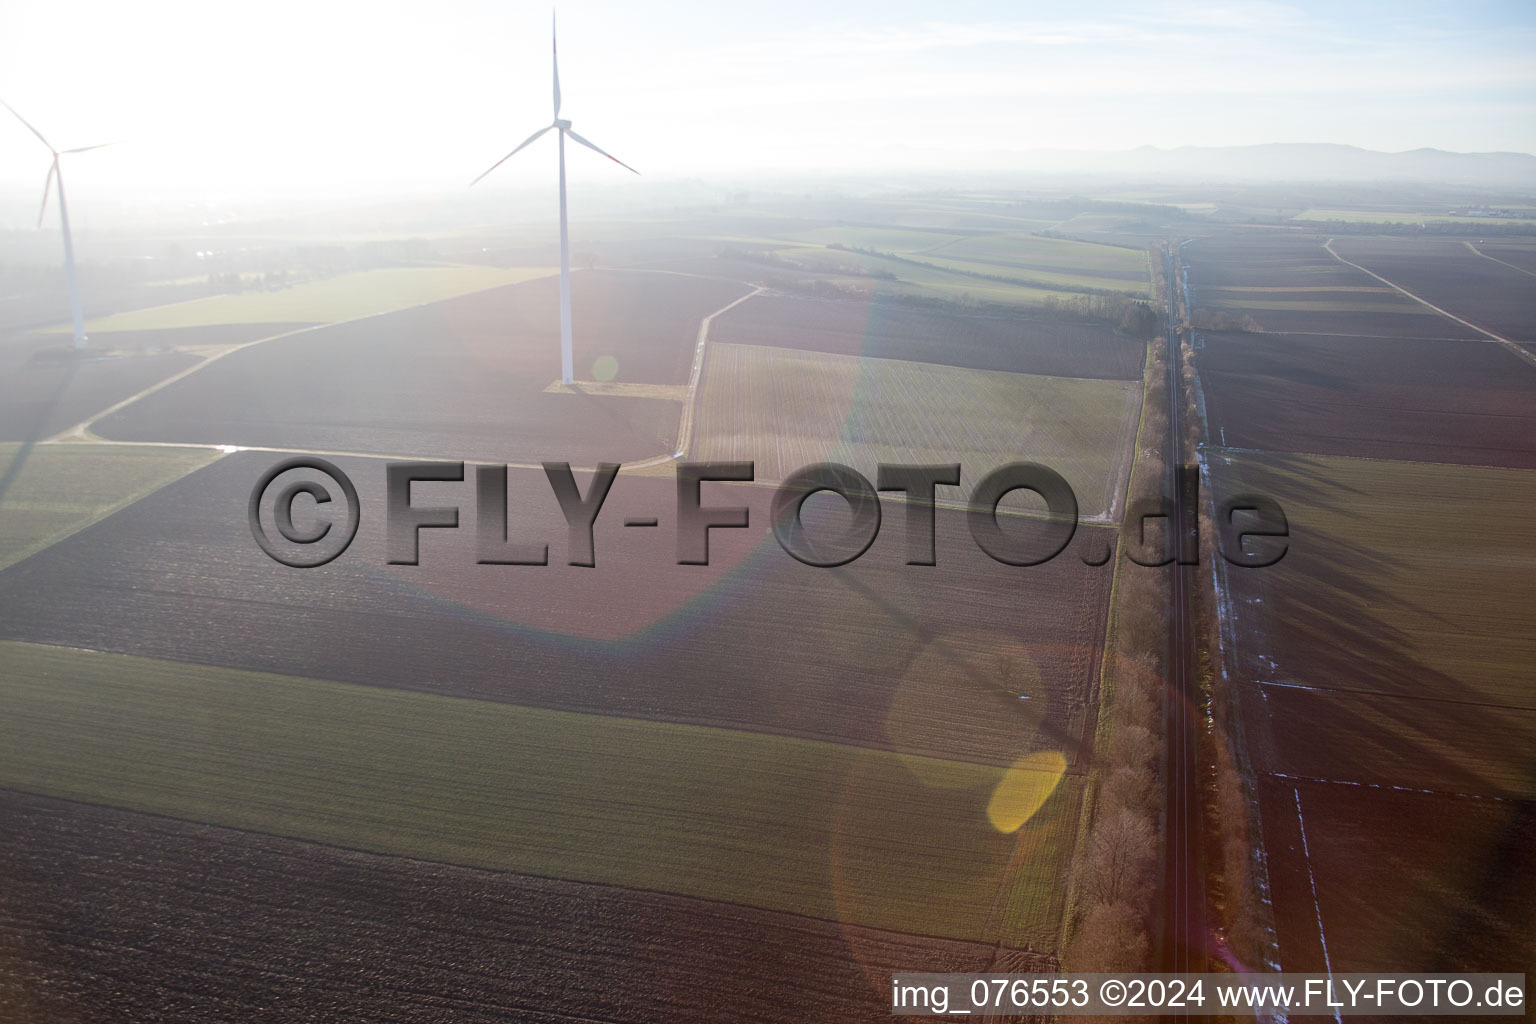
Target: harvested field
(45, 389)
(1403, 217)
(41, 396)
(1445, 272)
(1470, 403)
(1388, 681)
(50, 492)
(1521, 255)
(889, 330)
(1266, 259)
(786, 409)
(114, 916)
(1404, 881)
(343, 297)
(1290, 284)
(47, 306)
(1361, 301)
(1438, 738)
(463, 378)
(1336, 322)
(881, 653)
(890, 841)
(212, 336)
(1407, 580)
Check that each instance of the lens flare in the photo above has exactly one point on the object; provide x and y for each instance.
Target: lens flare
(949, 693)
(1025, 789)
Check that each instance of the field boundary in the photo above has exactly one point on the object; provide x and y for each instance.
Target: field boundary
(1089, 803)
(1349, 337)
(1262, 452)
(322, 792)
(83, 428)
(1234, 728)
(132, 498)
(82, 431)
(700, 356)
(798, 915)
(1117, 420)
(99, 321)
(1289, 777)
(1495, 259)
(1386, 695)
(1513, 346)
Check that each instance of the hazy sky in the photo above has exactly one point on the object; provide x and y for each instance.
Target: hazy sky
(376, 94)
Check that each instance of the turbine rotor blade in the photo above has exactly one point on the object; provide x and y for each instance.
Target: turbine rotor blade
(87, 149)
(31, 129)
(554, 56)
(595, 149)
(53, 169)
(520, 146)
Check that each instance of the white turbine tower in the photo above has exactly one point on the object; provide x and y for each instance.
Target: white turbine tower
(564, 127)
(56, 173)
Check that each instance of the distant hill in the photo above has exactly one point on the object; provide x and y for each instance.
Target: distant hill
(1286, 162)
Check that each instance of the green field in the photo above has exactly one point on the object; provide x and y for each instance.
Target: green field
(1094, 223)
(1404, 604)
(1015, 269)
(1063, 282)
(1059, 254)
(344, 297)
(884, 239)
(60, 489)
(836, 832)
(929, 281)
(1160, 199)
(786, 408)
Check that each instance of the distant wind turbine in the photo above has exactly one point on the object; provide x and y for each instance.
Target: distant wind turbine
(566, 358)
(56, 172)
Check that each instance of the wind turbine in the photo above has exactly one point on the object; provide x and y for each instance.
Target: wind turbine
(56, 172)
(564, 128)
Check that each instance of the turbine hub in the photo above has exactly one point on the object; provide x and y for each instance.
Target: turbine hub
(563, 125)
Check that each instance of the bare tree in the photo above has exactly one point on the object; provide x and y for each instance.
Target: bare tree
(1110, 939)
(1118, 867)
(1133, 746)
(1127, 787)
